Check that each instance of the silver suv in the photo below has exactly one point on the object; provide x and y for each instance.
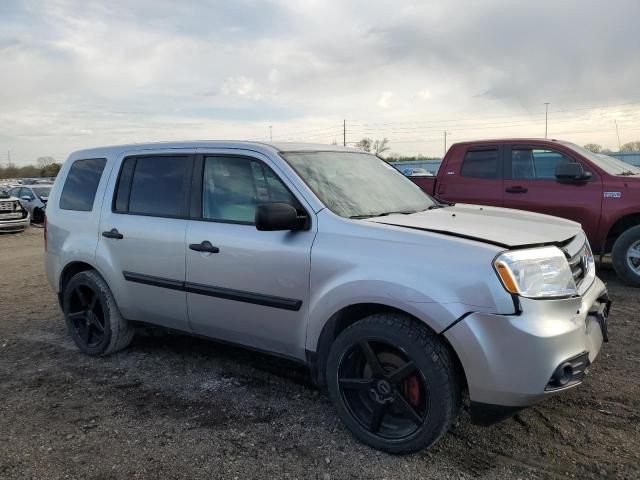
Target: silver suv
(397, 302)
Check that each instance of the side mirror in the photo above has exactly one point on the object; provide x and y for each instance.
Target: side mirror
(572, 172)
(277, 216)
(26, 198)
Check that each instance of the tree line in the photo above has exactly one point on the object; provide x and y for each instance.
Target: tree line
(44, 167)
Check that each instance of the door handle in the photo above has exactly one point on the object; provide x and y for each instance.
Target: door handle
(113, 233)
(204, 247)
(517, 189)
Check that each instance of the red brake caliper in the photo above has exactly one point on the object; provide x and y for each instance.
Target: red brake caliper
(411, 390)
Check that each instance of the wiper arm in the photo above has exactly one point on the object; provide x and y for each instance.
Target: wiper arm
(383, 214)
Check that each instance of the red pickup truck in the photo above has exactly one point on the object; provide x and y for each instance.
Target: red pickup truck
(552, 177)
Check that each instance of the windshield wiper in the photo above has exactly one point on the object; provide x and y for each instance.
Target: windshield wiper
(383, 214)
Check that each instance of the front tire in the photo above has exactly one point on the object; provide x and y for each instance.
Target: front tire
(393, 383)
(92, 316)
(625, 256)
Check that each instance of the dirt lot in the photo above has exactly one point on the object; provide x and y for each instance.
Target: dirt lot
(172, 406)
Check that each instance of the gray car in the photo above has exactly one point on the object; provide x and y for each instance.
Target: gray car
(331, 257)
(33, 198)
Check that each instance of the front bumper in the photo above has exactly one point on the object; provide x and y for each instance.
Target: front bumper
(16, 225)
(510, 360)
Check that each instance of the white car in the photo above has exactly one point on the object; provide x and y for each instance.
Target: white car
(13, 217)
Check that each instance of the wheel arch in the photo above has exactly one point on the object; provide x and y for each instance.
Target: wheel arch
(619, 227)
(67, 273)
(348, 315)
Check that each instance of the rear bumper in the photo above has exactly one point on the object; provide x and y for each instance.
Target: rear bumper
(512, 361)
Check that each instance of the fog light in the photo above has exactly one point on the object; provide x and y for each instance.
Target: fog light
(563, 374)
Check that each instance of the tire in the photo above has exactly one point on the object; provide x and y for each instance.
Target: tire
(628, 269)
(422, 404)
(92, 316)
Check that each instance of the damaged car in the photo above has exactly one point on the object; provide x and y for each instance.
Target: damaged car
(397, 302)
(33, 198)
(13, 217)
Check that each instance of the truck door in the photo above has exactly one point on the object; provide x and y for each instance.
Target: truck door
(531, 185)
(473, 175)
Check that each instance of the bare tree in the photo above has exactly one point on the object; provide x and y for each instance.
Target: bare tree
(631, 146)
(44, 162)
(380, 146)
(364, 144)
(593, 147)
(377, 147)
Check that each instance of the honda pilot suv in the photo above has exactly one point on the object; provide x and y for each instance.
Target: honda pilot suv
(397, 303)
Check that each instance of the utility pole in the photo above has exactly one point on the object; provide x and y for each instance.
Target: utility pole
(546, 117)
(445, 143)
(617, 134)
(270, 134)
(344, 133)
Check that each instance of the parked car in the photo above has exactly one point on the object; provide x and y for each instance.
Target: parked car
(417, 172)
(552, 177)
(13, 218)
(330, 257)
(33, 198)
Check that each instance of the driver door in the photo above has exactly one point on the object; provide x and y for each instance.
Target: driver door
(531, 185)
(251, 287)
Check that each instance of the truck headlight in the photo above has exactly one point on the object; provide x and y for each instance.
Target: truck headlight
(536, 273)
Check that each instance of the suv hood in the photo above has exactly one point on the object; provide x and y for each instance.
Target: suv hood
(499, 226)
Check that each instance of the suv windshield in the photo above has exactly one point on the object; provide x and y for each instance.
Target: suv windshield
(611, 165)
(358, 185)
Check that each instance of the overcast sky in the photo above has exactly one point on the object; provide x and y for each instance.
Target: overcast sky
(84, 73)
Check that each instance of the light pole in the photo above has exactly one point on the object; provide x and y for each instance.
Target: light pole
(445, 143)
(546, 117)
(270, 134)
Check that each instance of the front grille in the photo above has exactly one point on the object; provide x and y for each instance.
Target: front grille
(8, 206)
(578, 265)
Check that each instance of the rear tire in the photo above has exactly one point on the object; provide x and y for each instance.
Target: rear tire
(625, 256)
(409, 399)
(92, 316)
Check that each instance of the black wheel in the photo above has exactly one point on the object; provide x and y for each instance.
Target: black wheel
(93, 319)
(393, 383)
(626, 256)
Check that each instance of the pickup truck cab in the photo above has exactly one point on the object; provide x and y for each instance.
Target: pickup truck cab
(552, 177)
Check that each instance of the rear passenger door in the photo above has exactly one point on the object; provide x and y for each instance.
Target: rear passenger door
(252, 287)
(142, 232)
(477, 178)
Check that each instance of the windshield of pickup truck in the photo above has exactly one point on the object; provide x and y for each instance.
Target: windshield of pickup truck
(611, 165)
(358, 185)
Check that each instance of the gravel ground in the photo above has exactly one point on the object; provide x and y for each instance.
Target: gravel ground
(172, 406)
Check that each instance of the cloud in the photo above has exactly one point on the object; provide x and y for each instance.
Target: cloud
(86, 72)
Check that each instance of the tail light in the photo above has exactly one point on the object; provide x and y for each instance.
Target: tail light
(45, 232)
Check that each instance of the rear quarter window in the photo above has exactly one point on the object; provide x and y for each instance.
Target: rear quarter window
(482, 163)
(81, 184)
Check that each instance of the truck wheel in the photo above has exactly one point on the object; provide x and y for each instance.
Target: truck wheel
(393, 383)
(92, 316)
(626, 256)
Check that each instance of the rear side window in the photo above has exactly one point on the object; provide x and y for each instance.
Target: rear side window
(481, 164)
(153, 185)
(80, 187)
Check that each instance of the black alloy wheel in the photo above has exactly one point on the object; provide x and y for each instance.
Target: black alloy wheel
(383, 389)
(394, 383)
(93, 319)
(86, 314)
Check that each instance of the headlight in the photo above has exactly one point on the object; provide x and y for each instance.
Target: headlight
(536, 273)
